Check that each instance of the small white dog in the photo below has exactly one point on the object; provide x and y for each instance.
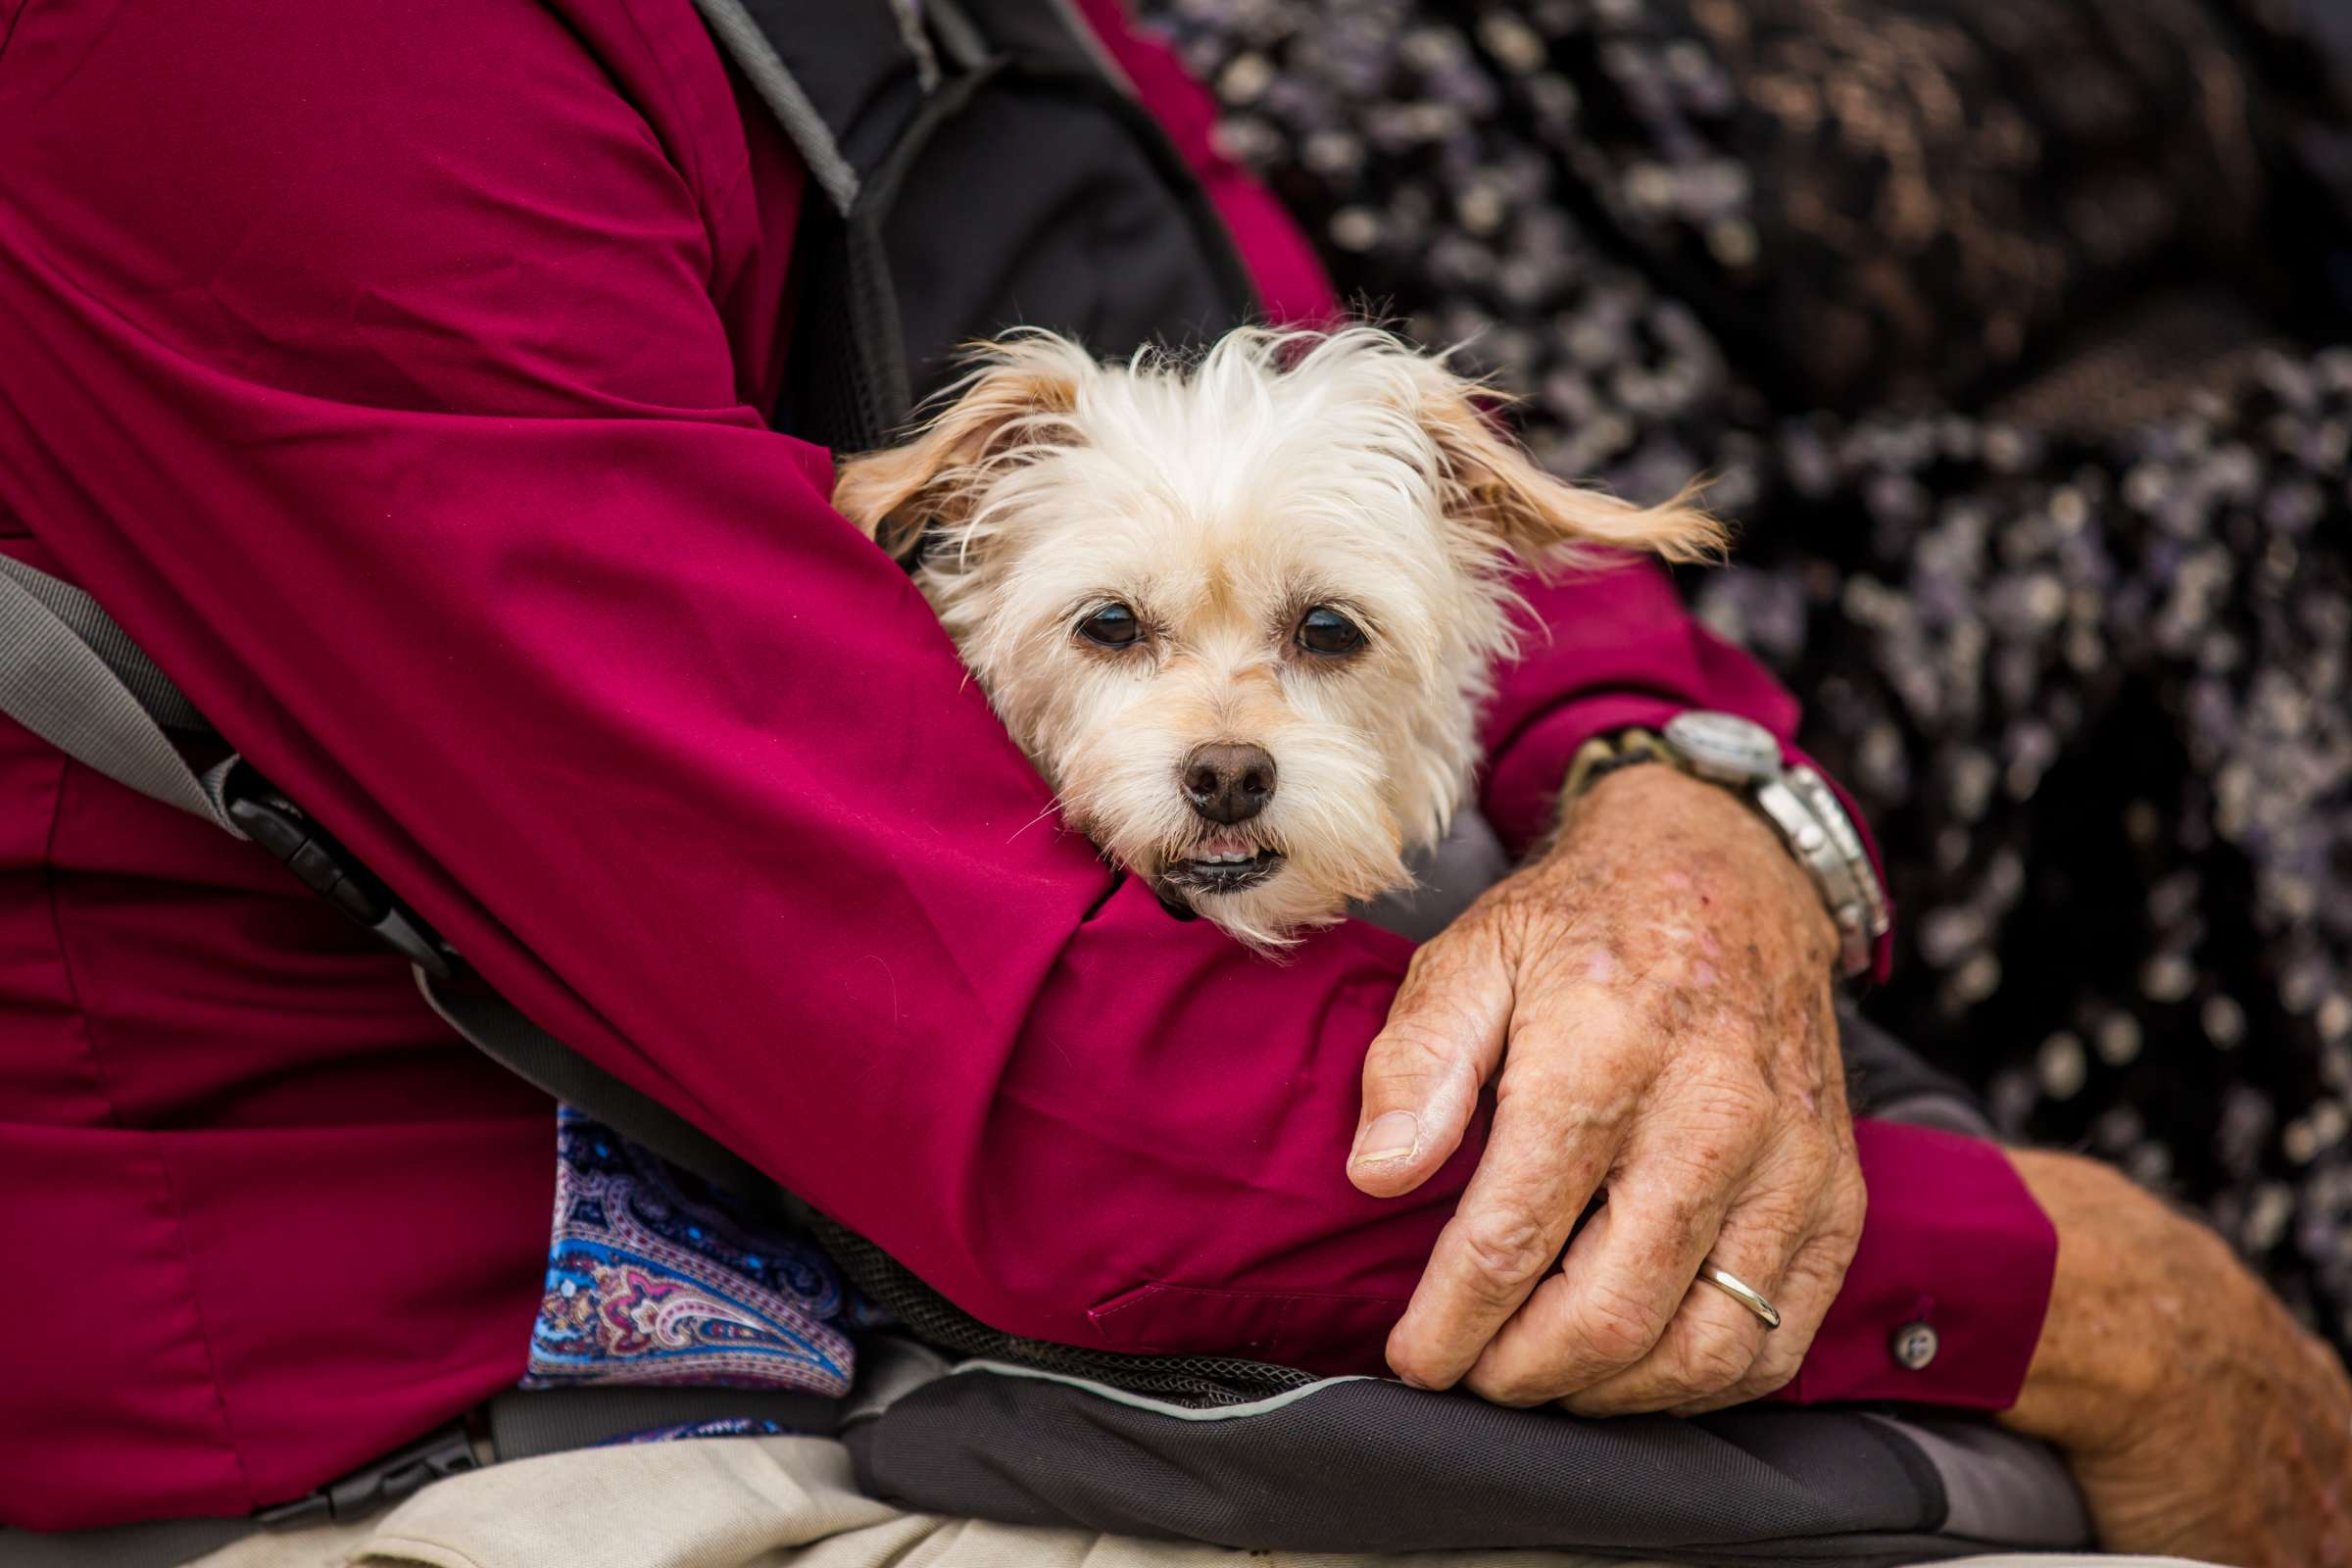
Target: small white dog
(1239, 612)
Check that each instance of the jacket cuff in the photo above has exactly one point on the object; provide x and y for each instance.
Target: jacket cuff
(1521, 793)
(1944, 1302)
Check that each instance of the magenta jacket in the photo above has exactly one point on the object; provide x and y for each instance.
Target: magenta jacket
(395, 373)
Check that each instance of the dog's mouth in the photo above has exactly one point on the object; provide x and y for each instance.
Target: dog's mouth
(1224, 862)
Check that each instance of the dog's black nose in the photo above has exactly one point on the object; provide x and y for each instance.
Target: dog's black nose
(1228, 783)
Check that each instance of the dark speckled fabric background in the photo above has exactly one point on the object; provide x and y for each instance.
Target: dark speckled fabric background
(2010, 331)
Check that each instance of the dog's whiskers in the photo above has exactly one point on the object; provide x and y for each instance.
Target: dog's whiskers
(1052, 805)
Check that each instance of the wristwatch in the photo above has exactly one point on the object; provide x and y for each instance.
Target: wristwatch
(1744, 757)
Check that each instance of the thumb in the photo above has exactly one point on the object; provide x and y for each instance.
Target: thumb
(1422, 1072)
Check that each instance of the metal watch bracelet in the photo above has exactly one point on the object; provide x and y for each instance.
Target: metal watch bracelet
(1784, 802)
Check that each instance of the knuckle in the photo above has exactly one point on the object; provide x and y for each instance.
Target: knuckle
(1770, 1375)
(1776, 1364)
(1414, 1365)
(1751, 1106)
(1810, 1151)
(1679, 1219)
(1709, 1360)
(1837, 1219)
(1619, 1329)
(1469, 942)
(1505, 1247)
(1673, 1204)
(1409, 1050)
(1735, 1103)
(1850, 1206)
(1448, 948)
(1774, 1220)
(1518, 1386)
(1619, 1397)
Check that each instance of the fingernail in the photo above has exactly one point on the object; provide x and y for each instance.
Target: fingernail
(1390, 1137)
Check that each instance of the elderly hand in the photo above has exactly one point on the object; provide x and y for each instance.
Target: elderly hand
(2197, 1417)
(1651, 1000)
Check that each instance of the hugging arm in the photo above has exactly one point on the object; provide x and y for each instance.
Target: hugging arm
(430, 477)
(423, 461)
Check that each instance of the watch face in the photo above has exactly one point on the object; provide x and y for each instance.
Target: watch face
(1724, 745)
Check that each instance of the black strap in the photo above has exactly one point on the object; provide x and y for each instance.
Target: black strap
(866, 89)
(518, 1425)
(848, 78)
(527, 1423)
(495, 1027)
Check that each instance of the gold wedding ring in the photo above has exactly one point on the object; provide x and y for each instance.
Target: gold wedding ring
(1738, 1290)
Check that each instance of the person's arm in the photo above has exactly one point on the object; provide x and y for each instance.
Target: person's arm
(398, 423)
(409, 439)
(2199, 1418)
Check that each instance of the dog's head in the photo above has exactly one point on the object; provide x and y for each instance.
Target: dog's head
(1239, 612)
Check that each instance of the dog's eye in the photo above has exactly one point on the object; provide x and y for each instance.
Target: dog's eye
(1112, 626)
(1324, 630)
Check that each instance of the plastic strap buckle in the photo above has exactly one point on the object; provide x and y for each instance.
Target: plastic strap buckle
(329, 871)
(398, 1475)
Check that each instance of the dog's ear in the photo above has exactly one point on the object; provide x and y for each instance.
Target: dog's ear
(1020, 395)
(1493, 485)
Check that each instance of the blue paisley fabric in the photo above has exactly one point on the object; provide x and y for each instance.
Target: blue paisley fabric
(725, 1427)
(654, 1276)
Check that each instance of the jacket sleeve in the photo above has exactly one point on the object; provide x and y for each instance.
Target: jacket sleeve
(407, 437)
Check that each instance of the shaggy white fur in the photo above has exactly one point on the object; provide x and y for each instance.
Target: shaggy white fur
(1298, 543)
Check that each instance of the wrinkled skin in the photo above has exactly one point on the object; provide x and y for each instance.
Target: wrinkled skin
(1651, 998)
(2200, 1420)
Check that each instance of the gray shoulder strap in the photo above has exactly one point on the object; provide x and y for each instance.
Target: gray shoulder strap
(72, 676)
(69, 674)
(733, 25)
